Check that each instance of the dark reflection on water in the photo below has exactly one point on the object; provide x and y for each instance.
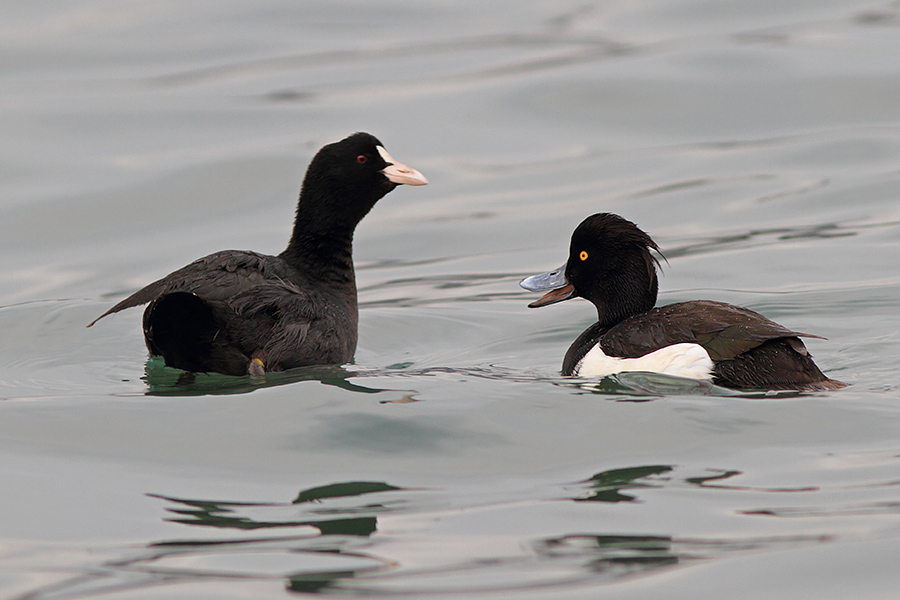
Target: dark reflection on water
(224, 515)
(642, 387)
(326, 540)
(849, 510)
(629, 387)
(607, 486)
(614, 555)
(721, 476)
(221, 515)
(607, 556)
(706, 481)
(344, 490)
(331, 540)
(165, 381)
(624, 387)
(312, 583)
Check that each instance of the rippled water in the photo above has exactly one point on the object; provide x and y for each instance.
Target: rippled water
(758, 142)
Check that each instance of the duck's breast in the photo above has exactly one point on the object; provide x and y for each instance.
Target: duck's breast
(679, 360)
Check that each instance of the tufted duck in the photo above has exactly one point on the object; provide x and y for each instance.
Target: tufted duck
(610, 265)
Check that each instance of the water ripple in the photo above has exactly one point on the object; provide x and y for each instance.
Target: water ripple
(328, 542)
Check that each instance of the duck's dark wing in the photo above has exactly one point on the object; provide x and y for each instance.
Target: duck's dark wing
(219, 276)
(775, 364)
(724, 330)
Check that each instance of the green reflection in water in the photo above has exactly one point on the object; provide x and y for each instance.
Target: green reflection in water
(642, 387)
(614, 555)
(225, 515)
(607, 486)
(342, 490)
(166, 381)
(312, 583)
(222, 516)
(717, 477)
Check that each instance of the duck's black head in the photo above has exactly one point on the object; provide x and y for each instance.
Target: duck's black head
(343, 182)
(609, 264)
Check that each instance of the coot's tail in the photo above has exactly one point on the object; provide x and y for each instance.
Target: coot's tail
(183, 329)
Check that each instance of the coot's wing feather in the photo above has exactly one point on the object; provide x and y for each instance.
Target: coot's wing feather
(219, 276)
(283, 322)
(724, 330)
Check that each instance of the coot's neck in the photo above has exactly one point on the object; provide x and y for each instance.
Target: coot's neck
(325, 256)
(330, 207)
(321, 245)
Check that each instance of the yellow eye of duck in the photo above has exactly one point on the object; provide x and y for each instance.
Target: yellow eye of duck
(583, 256)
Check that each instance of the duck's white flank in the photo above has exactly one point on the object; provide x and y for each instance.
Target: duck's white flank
(678, 360)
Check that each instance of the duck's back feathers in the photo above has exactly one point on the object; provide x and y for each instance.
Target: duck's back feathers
(747, 349)
(781, 363)
(723, 329)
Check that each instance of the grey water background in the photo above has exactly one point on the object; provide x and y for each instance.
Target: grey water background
(758, 142)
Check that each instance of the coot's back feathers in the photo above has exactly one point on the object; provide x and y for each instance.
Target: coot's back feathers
(610, 264)
(220, 276)
(239, 312)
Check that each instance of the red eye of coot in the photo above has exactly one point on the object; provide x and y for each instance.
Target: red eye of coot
(361, 158)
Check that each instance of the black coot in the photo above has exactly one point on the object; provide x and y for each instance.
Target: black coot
(237, 312)
(610, 265)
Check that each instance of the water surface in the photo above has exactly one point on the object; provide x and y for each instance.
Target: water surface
(757, 142)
